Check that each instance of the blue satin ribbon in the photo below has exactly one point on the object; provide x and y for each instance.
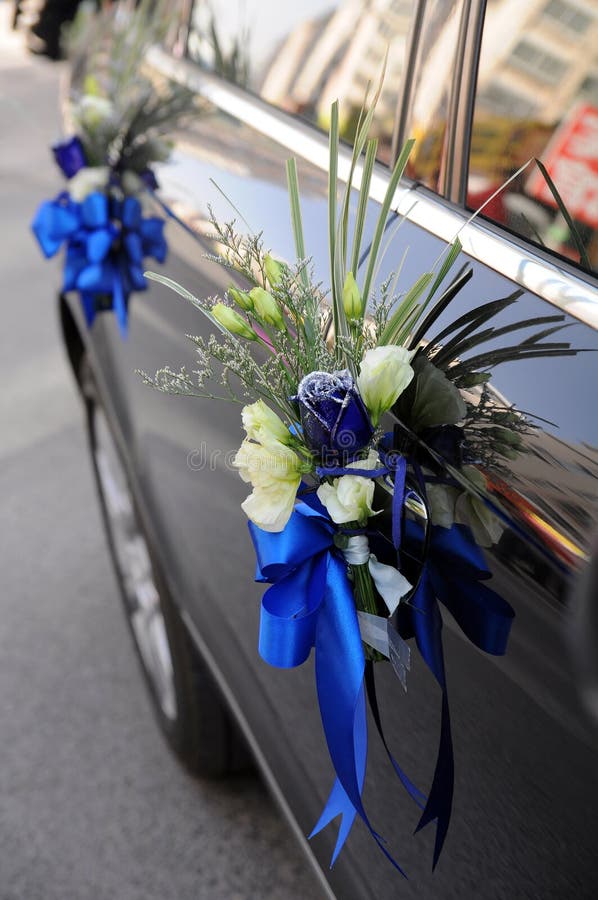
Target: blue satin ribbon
(452, 575)
(311, 604)
(106, 243)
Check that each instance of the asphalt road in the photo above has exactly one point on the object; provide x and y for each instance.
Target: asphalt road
(92, 805)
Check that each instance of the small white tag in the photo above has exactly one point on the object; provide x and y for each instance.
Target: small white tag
(373, 631)
(399, 653)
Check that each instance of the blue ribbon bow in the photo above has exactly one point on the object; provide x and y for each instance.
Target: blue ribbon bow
(310, 604)
(106, 242)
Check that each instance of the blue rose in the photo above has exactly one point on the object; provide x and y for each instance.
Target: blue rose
(70, 156)
(335, 421)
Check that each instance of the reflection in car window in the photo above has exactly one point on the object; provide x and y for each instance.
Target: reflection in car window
(303, 56)
(432, 78)
(538, 96)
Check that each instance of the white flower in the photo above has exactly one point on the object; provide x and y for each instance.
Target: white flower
(263, 425)
(441, 501)
(384, 374)
(449, 504)
(349, 498)
(92, 111)
(131, 183)
(87, 180)
(472, 511)
(274, 471)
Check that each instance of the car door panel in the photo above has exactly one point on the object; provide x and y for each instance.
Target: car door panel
(523, 823)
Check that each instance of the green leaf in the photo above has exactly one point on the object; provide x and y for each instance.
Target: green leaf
(296, 221)
(460, 344)
(187, 295)
(481, 314)
(462, 277)
(397, 173)
(364, 192)
(398, 319)
(583, 256)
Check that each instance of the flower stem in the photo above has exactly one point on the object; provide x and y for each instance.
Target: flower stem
(365, 600)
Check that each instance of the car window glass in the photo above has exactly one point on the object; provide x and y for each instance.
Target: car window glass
(302, 56)
(537, 96)
(431, 83)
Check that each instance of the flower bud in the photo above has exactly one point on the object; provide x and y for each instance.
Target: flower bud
(241, 298)
(233, 322)
(266, 307)
(351, 298)
(273, 270)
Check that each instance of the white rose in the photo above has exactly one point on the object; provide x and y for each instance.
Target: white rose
(384, 374)
(274, 471)
(87, 180)
(349, 498)
(263, 425)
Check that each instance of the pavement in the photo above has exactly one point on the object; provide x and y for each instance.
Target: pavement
(92, 804)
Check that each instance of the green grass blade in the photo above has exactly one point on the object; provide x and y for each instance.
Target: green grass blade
(364, 192)
(296, 221)
(453, 252)
(187, 295)
(235, 208)
(462, 277)
(405, 309)
(332, 210)
(583, 256)
(397, 173)
(481, 314)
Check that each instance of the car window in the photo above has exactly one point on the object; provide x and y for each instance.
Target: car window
(302, 56)
(537, 96)
(433, 72)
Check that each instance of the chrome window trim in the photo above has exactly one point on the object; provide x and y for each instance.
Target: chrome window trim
(464, 90)
(499, 251)
(405, 96)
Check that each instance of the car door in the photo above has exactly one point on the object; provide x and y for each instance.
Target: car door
(523, 822)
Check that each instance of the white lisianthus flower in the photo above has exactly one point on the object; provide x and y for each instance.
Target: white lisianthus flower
(88, 180)
(274, 471)
(92, 111)
(131, 183)
(472, 511)
(263, 425)
(384, 374)
(349, 498)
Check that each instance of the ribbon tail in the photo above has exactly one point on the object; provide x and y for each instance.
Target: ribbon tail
(440, 801)
(337, 804)
(89, 306)
(370, 684)
(339, 678)
(427, 623)
(119, 300)
(398, 500)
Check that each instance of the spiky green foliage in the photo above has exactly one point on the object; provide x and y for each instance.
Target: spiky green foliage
(122, 116)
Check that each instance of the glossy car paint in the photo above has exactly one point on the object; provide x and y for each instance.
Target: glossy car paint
(524, 821)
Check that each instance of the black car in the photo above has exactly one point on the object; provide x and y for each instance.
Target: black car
(482, 87)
